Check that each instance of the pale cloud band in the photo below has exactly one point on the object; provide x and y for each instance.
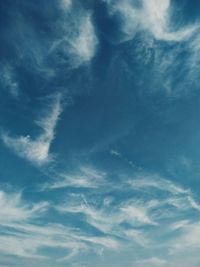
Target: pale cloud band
(121, 224)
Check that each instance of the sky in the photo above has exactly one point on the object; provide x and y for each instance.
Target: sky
(99, 133)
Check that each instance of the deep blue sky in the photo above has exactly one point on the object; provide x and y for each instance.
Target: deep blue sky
(100, 133)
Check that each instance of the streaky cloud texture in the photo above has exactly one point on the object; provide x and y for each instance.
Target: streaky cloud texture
(99, 133)
(37, 151)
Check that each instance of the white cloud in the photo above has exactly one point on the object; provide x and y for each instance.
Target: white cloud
(108, 218)
(137, 236)
(167, 201)
(83, 46)
(65, 4)
(26, 239)
(24, 234)
(106, 242)
(154, 181)
(85, 177)
(78, 41)
(115, 153)
(12, 209)
(136, 214)
(189, 239)
(37, 150)
(179, 224)
(152, 16)
(156, 18)
(99, 219)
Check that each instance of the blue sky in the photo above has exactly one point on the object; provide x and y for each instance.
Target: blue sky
(99, 133)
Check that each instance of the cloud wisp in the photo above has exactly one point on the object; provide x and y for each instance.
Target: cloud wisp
(106, 222)
(9, 81)
(150, 202)
(24, 233)
(78, 41)
(85, 177)
(152, 16)
(37, 150)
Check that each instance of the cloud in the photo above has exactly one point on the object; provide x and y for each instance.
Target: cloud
(128, 222)
(159, 199)
(152, 262)
(85, 177)
(108, 217)
(83, 46)
(26, 239)
(13, 210)
(37, 150)
(14, 215)
(159, 41)
(152, 16)
(156, 182)
(179, 224)
(188, 239)
(98, 218)
(157, 20)
(65, 4)
(138, 236)
(137, 213)
(24, 233)
(115, 153)
(9, 81)
(78, 41)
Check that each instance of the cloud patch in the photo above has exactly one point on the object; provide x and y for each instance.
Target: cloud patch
(85, 177)
(152, 16)
(78, 41)
(37, 150)
(9, 81)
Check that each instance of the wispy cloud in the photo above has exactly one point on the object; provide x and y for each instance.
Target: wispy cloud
(155, 181)
(24, 233)
(85, 177)
(9, 81)
(65, 4)
(188, 239)
(79, 43)
(37, 150)
(13, 209)
(156, 18)
(159, 205)
(83, 46)
(152, 16)
(137, 214)
(120, 223)
(115, 153)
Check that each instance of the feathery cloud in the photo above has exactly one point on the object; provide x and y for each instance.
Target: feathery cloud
(85, 177)
(152, 16)
(78, 44)
(37, 150)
